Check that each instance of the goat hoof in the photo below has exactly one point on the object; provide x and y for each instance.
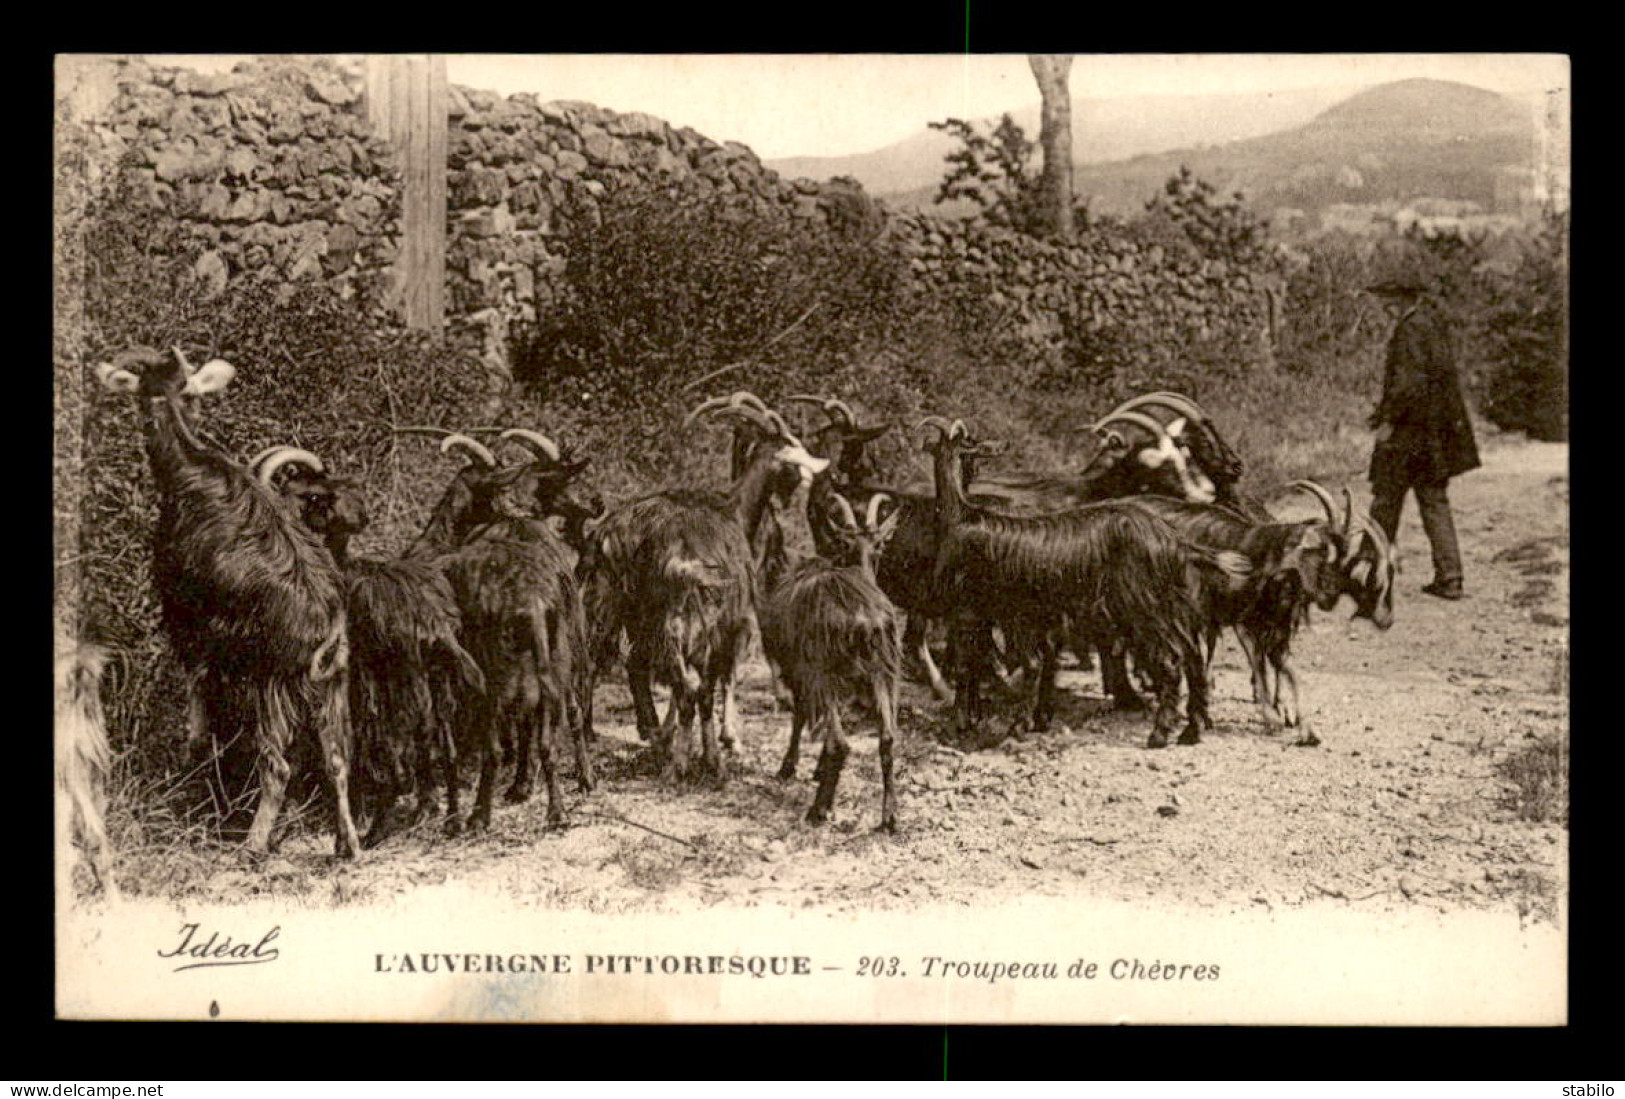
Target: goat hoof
(453, 827)
(479, 822)
(787, 773)
(1308, 740)
(1191, 736)
(1157, 740)
(887, 825)
(517, 795)
(817, 815)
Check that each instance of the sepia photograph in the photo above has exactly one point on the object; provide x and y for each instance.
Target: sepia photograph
(839, 538)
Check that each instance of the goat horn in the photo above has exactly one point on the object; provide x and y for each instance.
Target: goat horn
(1176, 401)
(782, 428)
(281, 456)
(733, 400)
(254, 462)
(871, 516)
(846, 511)
(937, 422)
(539, 444)
(749, 413)
(1378, 535)
(180, 357)
(477, 450)
(1139, 419)
(1320, 494)
(1182, 405)
(1348, 515)
(833, 407)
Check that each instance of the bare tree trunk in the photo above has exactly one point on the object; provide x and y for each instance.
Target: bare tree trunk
(1055, 136)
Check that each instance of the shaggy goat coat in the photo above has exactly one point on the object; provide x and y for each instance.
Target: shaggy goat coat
(253, 605)
(83, 761)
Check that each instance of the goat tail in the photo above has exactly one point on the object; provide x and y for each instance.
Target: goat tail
(464, 668)
(1231, 568)
(332, 656)
(83, 762)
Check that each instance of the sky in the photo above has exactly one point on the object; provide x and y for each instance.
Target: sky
(833, 105)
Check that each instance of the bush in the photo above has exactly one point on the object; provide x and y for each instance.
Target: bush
(676, 297)
(1537, 777)
(1525, 342)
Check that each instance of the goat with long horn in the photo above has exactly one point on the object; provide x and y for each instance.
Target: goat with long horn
(410, 675)
(253, 604)
(675, 570)
(832, 633)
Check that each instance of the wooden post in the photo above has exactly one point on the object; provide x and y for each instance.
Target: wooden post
(406, 106)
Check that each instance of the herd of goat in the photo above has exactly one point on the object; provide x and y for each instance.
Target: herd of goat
(487, 636)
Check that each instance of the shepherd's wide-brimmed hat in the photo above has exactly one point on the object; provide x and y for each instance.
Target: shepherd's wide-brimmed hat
(1397, 288)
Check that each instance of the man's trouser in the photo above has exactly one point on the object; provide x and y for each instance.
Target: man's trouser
(1434, 504)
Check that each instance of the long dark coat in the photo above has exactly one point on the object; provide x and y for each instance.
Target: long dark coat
(1432, 438)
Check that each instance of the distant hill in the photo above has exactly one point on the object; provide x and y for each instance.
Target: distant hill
(1103, 130)
(1394, 142)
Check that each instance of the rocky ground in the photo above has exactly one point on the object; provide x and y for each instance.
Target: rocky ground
(1406, 802)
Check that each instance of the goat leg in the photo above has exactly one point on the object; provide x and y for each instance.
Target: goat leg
(916, 644)
(1164, 670)
(1114, 677)
(886, 707)
(830, 762)
(1197, 720)
(711, 765)
(580, 734)
(798, 721)
(1263, 693)
(1285, 674)
(640, 681)
(545, 732)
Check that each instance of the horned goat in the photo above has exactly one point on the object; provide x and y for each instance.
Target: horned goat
(1117, 567)
(522, 622)
(409, 674)
(675, 570)
(1294, 565)
(83, 761)
(251, 601)
(833, 633)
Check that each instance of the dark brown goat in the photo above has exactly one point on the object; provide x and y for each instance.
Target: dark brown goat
(409, 674)
(1110, 564)
(676, 571)
(252, 602)
(1294, 565)
(833, 634)
(522, 622)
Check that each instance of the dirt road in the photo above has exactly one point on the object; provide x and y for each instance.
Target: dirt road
(1399, 806)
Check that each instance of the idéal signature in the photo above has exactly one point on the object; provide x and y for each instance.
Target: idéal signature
(218, 949)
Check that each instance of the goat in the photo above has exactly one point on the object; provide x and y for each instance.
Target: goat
(252, 602)
(522, 622)
(83, 761)
(831, 631)
(1366, 569)
(1199, 436)
(409, 673)
(675, 570)
(1294, 565)
(1111, 564)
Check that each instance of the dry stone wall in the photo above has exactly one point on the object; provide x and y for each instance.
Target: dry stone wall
(271, 171)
